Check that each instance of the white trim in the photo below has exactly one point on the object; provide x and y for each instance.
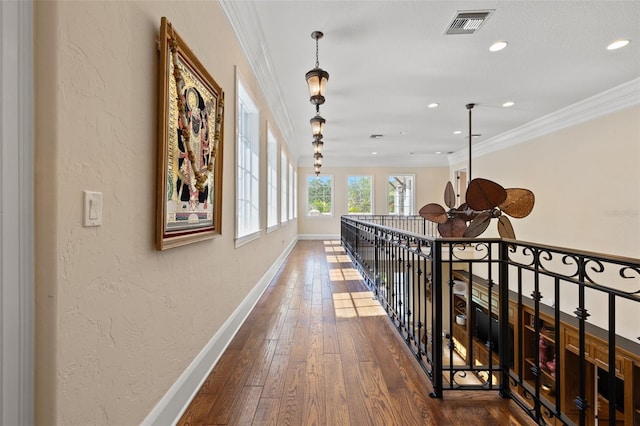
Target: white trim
(246, 239)
(16, 213)
(245, 23)
(319, 236)
(173, 404)
(615, 99)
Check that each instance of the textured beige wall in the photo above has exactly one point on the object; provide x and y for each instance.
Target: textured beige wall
(586, 180)
(118, 321)
(430, 183)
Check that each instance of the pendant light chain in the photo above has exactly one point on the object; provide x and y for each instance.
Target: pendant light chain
(316, 79)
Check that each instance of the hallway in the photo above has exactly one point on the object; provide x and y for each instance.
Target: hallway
(319, 349)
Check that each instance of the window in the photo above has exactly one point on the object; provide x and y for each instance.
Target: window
(359, 190)
(461, 185)
(272, 180)
(400, 190)
(247, 166)
(291, 191)
(283, 187)
(295, 194)
(319, 195)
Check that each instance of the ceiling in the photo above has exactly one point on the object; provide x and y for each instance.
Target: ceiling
(388, 60)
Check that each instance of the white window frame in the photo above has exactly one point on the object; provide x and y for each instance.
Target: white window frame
(284, 187)
(333, 196)
(272, 182)
(291, 191)
(412, 192)
(247, 166)
(371, 202)
(295, 193)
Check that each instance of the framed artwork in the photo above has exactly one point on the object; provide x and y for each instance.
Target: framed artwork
(191, 124)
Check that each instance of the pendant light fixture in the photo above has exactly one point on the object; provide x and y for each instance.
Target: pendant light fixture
(317, 81)
(317, 126)
(317, 78)
(317, 145)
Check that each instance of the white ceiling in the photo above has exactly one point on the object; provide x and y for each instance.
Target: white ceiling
(388, 60)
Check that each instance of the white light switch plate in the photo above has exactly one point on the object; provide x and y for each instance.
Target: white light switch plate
(92, 208)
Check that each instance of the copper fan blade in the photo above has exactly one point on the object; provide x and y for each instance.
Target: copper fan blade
(519, 202)
(452, 228)
(483, 194)
(478, 225)
(464, 212)
(449, 195)
(505, 229)
(433, 212)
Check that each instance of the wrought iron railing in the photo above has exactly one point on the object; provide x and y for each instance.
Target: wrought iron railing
(542, 325)
(411, 223)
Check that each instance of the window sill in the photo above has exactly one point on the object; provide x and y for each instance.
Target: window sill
(245, 239)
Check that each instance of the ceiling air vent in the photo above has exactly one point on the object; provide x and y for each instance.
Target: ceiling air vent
(375, 136)
(468, 22)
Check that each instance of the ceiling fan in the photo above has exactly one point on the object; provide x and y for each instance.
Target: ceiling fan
(485, 200)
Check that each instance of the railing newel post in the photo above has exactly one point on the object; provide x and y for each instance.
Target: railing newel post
(503, 288)
(436, 319)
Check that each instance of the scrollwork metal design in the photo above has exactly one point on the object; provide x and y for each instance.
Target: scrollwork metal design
(624, 275)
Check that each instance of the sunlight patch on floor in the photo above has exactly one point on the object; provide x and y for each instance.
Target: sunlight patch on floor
(338, 258)
(344, 274)
(356, 304)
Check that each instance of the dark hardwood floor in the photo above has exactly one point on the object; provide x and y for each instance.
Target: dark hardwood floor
(319, 350)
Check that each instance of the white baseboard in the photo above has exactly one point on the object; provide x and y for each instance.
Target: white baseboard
(319, 237)
(173, 404)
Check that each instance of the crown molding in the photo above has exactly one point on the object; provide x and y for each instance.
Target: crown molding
(620, 97)
(245, 24)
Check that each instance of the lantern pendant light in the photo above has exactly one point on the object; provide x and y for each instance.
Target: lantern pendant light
(317, 145)
(317, 78)
(317, 125)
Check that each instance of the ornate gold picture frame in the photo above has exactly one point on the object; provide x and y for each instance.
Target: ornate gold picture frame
(191, 124)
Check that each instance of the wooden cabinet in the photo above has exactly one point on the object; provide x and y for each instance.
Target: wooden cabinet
(481, 308)
(460, 332)
(540, 352)
(550, 357)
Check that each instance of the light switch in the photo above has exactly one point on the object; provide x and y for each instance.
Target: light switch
(92, 208)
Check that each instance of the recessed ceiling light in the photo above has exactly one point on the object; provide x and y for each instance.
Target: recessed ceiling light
(508, 104)
(374, 153)
(438, 152)
(457, 132)
(617, 44)
(498, 45)
(433, 105)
